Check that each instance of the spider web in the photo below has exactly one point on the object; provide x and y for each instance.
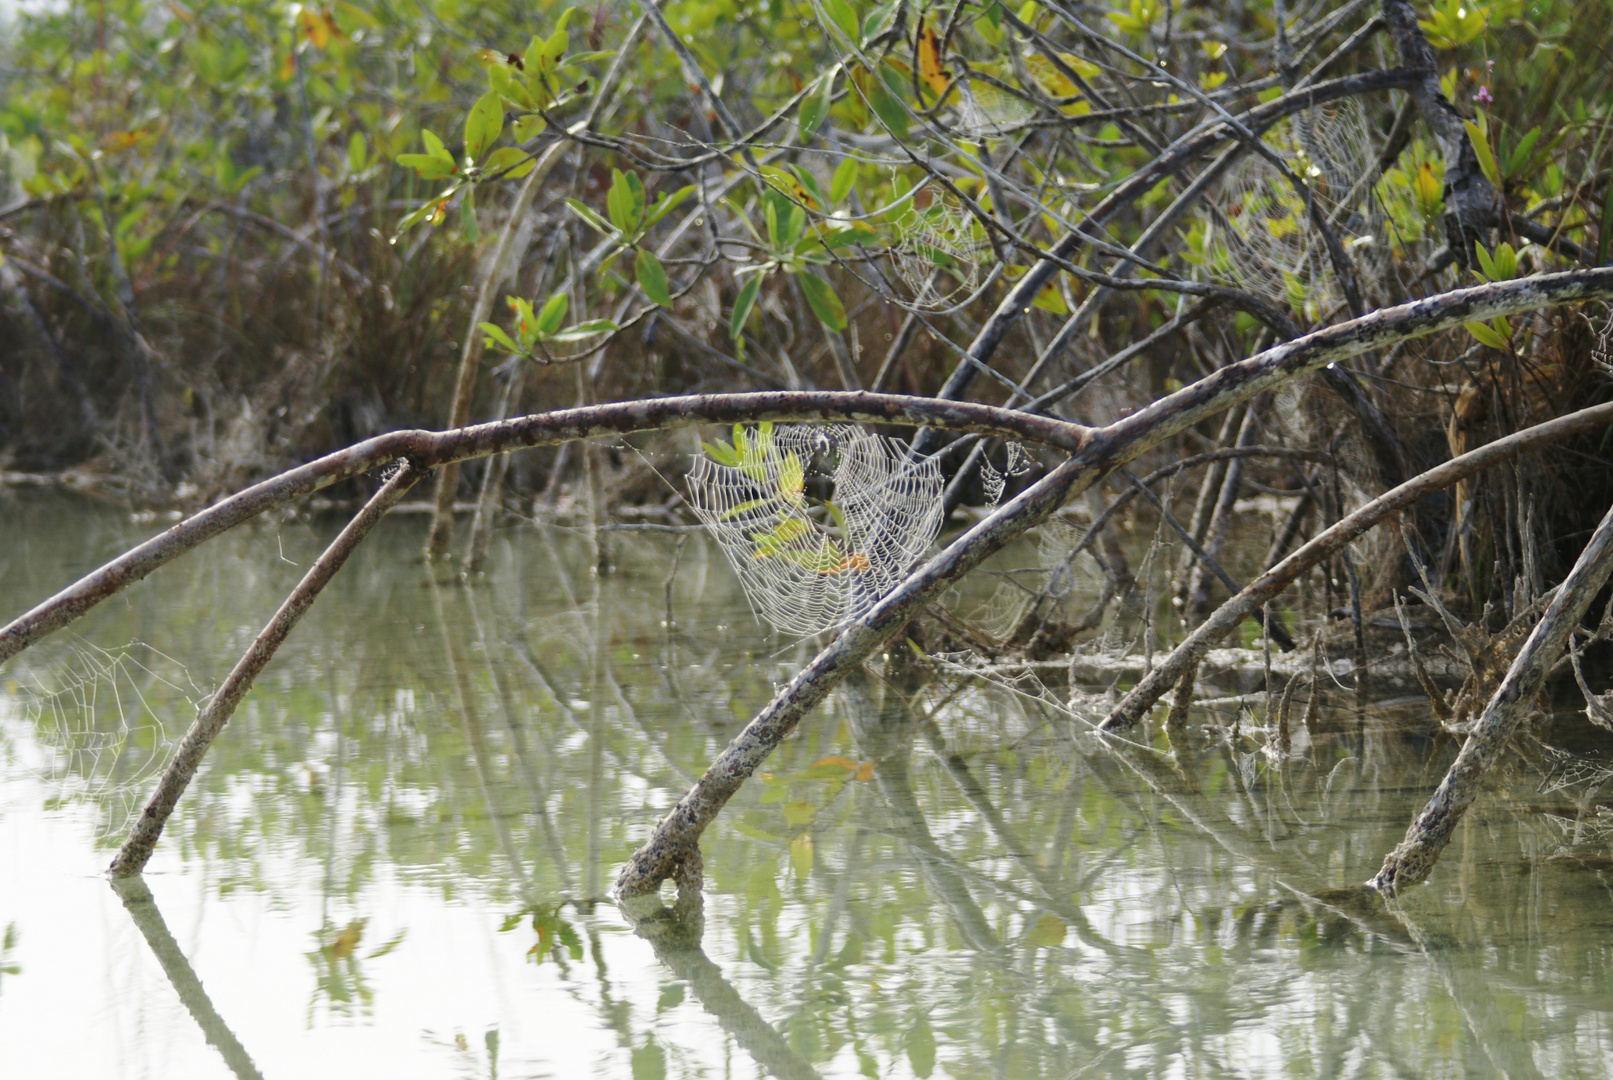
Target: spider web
(818, 522)
(93, 726)
(943, 237)
(1273, 250)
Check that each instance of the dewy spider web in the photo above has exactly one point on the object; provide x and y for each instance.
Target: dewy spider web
(93, 726)
(1274, 251)
(818, 522)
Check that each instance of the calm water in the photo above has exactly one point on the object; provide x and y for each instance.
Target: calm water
(387, 865)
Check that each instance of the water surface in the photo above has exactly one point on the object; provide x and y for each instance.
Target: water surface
(394, 861)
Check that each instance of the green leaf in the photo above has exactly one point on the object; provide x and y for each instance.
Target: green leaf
(555, 47)
(744, 507)
(839, 518)
(791, 479)
(512, 158)
(794, 225)
(579, 331)
(742, 305)
(887, 106)
(1520, 153)
(483, 125)
(815, 106)
(1481, 149)
(576, 59)
(801, 855)
(357, 153)
(591, 219)
(625, 201)
(723, 454)
(434, 146)
(809, 183)
(844, 178)
(821, 298)
(852, 234)
(1046, 932)
(1506, 262)
(651, 278)
(527, 128)
(554, 310)
(427, 166)
(799, 813)
(1485, 335)
(495, 336)
(526, 323)
(665, 204)
(921, 1047)
(843, 17)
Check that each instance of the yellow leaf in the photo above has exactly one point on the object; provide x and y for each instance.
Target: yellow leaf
(315, 28)
(835, 759)
(1050, 299)
(865, 771)
(1426, 186)
(927, 52)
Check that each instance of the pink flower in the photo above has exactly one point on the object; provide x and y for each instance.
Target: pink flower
(1483, 96)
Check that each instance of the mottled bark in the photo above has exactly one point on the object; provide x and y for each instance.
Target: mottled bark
(676, 837)
(1413, 860)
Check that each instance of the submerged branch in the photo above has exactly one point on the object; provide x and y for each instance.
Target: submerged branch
(1136, 704)
(1413, 860)
(137, 846)
(675, 840)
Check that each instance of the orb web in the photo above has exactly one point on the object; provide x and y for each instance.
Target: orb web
(941, 254)
(91, 725)
(1273, 249)
(819, 523)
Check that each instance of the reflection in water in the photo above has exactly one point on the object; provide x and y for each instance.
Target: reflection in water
(939, 875)
(142, 908)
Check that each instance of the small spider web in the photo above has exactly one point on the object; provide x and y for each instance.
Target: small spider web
(818, 522)
(91, 727)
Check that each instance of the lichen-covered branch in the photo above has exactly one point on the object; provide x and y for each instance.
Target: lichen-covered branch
(675, 839)
(1413, 860)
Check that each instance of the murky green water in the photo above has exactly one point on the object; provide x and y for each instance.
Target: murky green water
(386, 867)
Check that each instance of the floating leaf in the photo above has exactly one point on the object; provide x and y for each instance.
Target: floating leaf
(1046, 932)
(801, 855)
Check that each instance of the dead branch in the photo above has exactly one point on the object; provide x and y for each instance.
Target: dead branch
(1414, 859)
(210, 720)
(1137, 703)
